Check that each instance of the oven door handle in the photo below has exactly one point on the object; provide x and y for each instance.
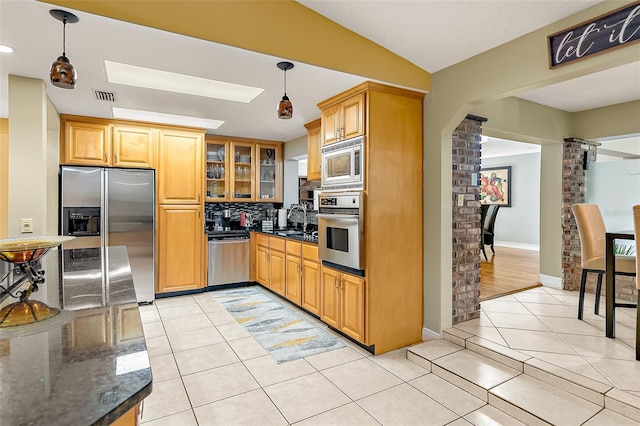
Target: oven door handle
(343, 217)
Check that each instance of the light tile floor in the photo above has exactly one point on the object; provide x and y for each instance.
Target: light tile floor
(208, 370)
(543, 323)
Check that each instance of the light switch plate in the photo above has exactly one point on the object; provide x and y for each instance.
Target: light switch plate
(26, 225)
(460, 200)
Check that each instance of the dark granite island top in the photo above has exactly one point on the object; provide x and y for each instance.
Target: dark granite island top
(89, 364)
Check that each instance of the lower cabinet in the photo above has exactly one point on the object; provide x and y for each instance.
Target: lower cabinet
(270, 263)
(130, 418)
(293, 270)
(293, 289)
(262, 265)
(180, 239)
(311, 279)
(343, 302)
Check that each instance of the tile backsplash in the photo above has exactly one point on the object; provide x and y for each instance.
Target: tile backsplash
(258, 211)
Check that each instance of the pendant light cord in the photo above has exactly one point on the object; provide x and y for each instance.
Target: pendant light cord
(285, 82)
(64, 36)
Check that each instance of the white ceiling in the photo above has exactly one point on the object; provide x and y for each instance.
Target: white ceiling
(415, 30)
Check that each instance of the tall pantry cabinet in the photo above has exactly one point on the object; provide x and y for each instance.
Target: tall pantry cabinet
(180, 235)
(383, 309)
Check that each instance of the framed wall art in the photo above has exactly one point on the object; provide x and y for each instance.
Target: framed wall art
(495, 186)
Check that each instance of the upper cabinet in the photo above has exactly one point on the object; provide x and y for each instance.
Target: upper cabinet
(344, 119)
(314, 146)
(133, 146)
(180, 174)
(217, 169)
(98, 142)
(241, 170)
(86, 143)
(269, 172)
(243, 183)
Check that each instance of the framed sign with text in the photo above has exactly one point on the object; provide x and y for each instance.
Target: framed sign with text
(614, 30)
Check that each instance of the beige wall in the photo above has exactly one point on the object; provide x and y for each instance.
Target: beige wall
(295, 147)
(616, 120)
(4, 176)
(33, 151)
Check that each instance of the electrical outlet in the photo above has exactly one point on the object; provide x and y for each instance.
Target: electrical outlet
(460, 200)
(26, 225)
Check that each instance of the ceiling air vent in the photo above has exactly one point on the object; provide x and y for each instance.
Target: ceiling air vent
(101, 95)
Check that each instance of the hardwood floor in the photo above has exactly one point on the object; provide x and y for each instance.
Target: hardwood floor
(508, 271)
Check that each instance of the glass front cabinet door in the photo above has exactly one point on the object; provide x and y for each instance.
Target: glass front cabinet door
(243, 169)
(217, 170)
(269, 173)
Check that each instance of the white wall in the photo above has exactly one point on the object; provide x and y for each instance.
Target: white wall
(290, 183)
(520, 223)
(615, 187)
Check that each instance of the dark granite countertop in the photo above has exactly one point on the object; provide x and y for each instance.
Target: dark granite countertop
(89, 364)
(292, 234)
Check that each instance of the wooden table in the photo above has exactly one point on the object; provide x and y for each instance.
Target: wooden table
(611, 278)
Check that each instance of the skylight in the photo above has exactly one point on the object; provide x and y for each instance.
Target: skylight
(132, 75)
(159, 117)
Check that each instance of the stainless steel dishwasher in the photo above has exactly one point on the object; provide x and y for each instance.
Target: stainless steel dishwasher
(228, 258)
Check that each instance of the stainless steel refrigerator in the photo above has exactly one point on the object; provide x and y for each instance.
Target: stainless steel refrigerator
(105, 207)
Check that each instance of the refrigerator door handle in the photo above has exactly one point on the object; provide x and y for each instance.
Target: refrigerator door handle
(105, 209)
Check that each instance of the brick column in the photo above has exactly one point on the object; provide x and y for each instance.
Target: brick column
(466, 219)
(573, 192)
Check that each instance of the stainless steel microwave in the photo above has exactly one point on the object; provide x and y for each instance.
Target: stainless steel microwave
(343, 165)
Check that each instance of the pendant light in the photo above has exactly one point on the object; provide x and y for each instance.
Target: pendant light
(285, 108)
(62, 73)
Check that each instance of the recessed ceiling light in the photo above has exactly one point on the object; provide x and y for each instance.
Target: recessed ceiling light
(132, 75)
(159, 117)
(6, 49)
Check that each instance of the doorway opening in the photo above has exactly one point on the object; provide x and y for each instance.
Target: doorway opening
(515, 264)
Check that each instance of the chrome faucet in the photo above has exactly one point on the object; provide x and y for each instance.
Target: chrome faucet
(303, 208)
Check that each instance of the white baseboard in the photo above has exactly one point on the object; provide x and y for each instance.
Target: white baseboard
(428, 334)
(521, 246)
(551, 282)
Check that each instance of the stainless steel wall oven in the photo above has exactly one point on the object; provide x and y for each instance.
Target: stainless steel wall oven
(341, 228)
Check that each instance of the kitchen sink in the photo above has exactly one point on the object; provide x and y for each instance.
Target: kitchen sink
(289, 232)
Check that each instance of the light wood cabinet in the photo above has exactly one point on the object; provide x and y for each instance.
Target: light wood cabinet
(86, 143)
(133, 146)
(330, 297)
(311, 279)
(343, 299)
(243, 182)
(130, 418)
(293, 288)
(97, 142)
(271, 263)
(269, 173)
(277, 271)
(262, 265)
(180, 175)
(314, 150)
(218, 172)
(243, 170)
(352, 307)
(343, 120)
(180, 236)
